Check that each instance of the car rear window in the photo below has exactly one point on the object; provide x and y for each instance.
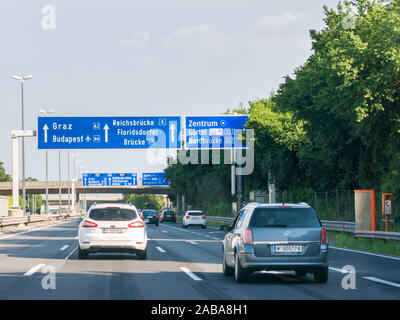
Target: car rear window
(168, 212)
(149, 212)
(112, 214)
(284, 218)
(195, 214)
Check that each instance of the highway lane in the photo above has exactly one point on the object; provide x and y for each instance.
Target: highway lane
(182, 264)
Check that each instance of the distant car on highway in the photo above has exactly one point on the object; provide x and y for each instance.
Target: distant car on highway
(168, 215)
(112, 228)
(194, 217)
(150, 216)
(276, 237)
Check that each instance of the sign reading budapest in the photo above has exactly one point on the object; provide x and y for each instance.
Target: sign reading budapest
(215, 132)
(109, 132)
(109, 179)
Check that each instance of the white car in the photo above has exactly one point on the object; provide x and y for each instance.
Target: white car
(112, 228)
(193, 217)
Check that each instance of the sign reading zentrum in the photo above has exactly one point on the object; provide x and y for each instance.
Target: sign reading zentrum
(109, 132)
(215, 132)
(154, 179)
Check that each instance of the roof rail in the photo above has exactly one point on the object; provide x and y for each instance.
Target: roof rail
(252, 203)
(304, 203)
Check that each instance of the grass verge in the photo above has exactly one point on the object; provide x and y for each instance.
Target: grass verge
(346, 240)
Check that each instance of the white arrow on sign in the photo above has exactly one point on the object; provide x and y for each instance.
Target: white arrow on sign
(45, 128)
(106, 132)
(88, 139)
(172, 132)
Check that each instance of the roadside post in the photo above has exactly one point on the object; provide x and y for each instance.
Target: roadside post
(387, 209)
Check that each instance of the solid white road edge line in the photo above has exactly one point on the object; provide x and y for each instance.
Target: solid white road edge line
(394, 284)
(160, 249)
(190, 274)
(34, 269)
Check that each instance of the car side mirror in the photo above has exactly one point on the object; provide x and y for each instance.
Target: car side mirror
(225, 227)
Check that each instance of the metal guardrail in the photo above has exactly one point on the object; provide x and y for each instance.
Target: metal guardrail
(378, 235)
(341, 226)
(15, 221)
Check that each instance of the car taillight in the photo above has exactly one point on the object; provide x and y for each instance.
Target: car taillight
(248, 237)
(142, 216)
(203, 217)
(174, 216)
(324, 238)
(88, 224)
(187, 217)
(136, 224)
(156, 216)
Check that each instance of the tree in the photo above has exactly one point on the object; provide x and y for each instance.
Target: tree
(145, 201)
(4, 177)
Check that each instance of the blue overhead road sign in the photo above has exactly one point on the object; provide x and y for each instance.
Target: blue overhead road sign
(109, 132)
(154, 179)
(214, 132)
(109, 179)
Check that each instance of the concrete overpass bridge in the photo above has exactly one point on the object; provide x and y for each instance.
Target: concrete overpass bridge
(39, 187)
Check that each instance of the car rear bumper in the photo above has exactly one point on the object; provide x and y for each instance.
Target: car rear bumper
(153, 221)
(249, 260)
(168, 219)
(195, 222)
(113, 246)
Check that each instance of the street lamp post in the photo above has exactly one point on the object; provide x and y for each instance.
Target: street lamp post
(22, 79)
(41, 111)
(74, 155)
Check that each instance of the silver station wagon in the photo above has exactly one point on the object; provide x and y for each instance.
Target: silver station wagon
(276, 237)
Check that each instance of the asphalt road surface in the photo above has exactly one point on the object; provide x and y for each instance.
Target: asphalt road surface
(182, 264)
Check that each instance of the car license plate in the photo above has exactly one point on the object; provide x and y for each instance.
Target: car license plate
(287, 249)
(150, 217)
(146, 220)
(113, 230)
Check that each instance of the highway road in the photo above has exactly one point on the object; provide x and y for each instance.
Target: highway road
(182, 264)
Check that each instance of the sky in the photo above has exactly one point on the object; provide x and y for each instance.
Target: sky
(138, 58)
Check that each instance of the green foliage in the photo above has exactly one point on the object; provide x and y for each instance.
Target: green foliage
(346, 240)
(145, 201)
(4, 177)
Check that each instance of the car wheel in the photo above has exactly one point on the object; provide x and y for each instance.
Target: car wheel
(321, 275)
(82, 254)
(184, 225)
(241, 274)
(142, 255)
(301, 273)
(157, 224)
(227, 270)
(174, 221)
